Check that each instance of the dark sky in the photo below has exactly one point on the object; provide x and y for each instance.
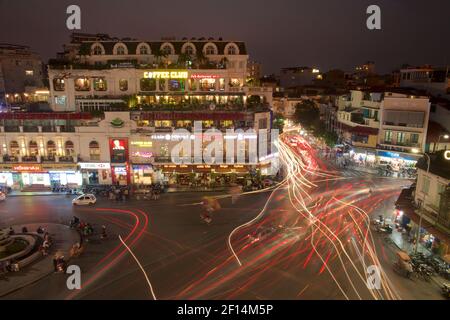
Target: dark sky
(323, 33)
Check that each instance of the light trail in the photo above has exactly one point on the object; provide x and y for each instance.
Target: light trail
(140, 266)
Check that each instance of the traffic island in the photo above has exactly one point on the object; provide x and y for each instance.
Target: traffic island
(29, 265)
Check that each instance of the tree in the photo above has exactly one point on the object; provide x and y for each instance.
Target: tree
(278, 122)
(307, 114)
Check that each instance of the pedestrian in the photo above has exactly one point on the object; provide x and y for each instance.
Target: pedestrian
(104, 235)
(55, 263)
(11, 231)
(24, 229)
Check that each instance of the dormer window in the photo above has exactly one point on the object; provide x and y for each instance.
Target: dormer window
(120, 50)
(97, 50)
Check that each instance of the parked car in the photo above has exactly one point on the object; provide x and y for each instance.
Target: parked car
(84, 199)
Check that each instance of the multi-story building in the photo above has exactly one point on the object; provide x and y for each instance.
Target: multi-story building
(435, 80)
(254, 72)
(385, 126)
(432, 200)
(110, 73)
(42, 149)
(21, 73)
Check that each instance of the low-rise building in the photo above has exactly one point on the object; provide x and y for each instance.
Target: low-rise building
(390, 127)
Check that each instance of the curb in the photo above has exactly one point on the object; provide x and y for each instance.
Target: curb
(34, 195)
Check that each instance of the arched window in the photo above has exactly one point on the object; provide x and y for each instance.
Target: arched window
(51, 148)
(189, 50)
(14, 148)
(120, 50)
(33, 149)
(167, 49)
(69, 149)
(94, 150)
(210, 50)
(231, 50)
(143, 50)
(97, 50)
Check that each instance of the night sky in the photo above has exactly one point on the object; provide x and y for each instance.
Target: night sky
(322, 33)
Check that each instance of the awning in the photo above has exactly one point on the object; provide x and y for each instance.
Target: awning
(364, 130)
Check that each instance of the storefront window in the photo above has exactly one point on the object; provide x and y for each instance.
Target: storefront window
(162, 84)
(192, 85)
(207, 84)
(221, 84)
(123, 85)
(94, 150)
(176, 85)
(82, 84)
(59, 84)
(148, 84)
(100, 84)
(235, 82)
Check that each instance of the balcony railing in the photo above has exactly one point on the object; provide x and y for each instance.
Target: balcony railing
(66, 159)
(7, 158)
(48, 159)
(30, 129)
(12, 129)
(29, 159)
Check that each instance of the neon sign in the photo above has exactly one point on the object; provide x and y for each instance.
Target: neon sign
(204, 76)
(142, 143)
(166, 74)
(142, 154)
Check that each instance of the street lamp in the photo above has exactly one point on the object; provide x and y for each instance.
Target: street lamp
(445, 136)
(416, 246)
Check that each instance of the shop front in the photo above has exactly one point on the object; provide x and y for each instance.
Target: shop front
(120, 167)
(27, 175)
(143, 174)
(363, 156)
(95, 172)
(397, 160)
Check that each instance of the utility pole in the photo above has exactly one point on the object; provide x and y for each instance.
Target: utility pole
(420, 211)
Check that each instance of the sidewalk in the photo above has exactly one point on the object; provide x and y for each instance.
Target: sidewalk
(16, 193)
(63, 238)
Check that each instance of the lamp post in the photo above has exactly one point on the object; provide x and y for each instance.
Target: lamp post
(416, 246)
(445, 136)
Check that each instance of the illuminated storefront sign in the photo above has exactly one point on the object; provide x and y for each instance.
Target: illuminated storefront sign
(166, 74)
(447, 155)
(142, 154)
(142, 143)
(94, 166)
(33, 167)
(204, 76)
